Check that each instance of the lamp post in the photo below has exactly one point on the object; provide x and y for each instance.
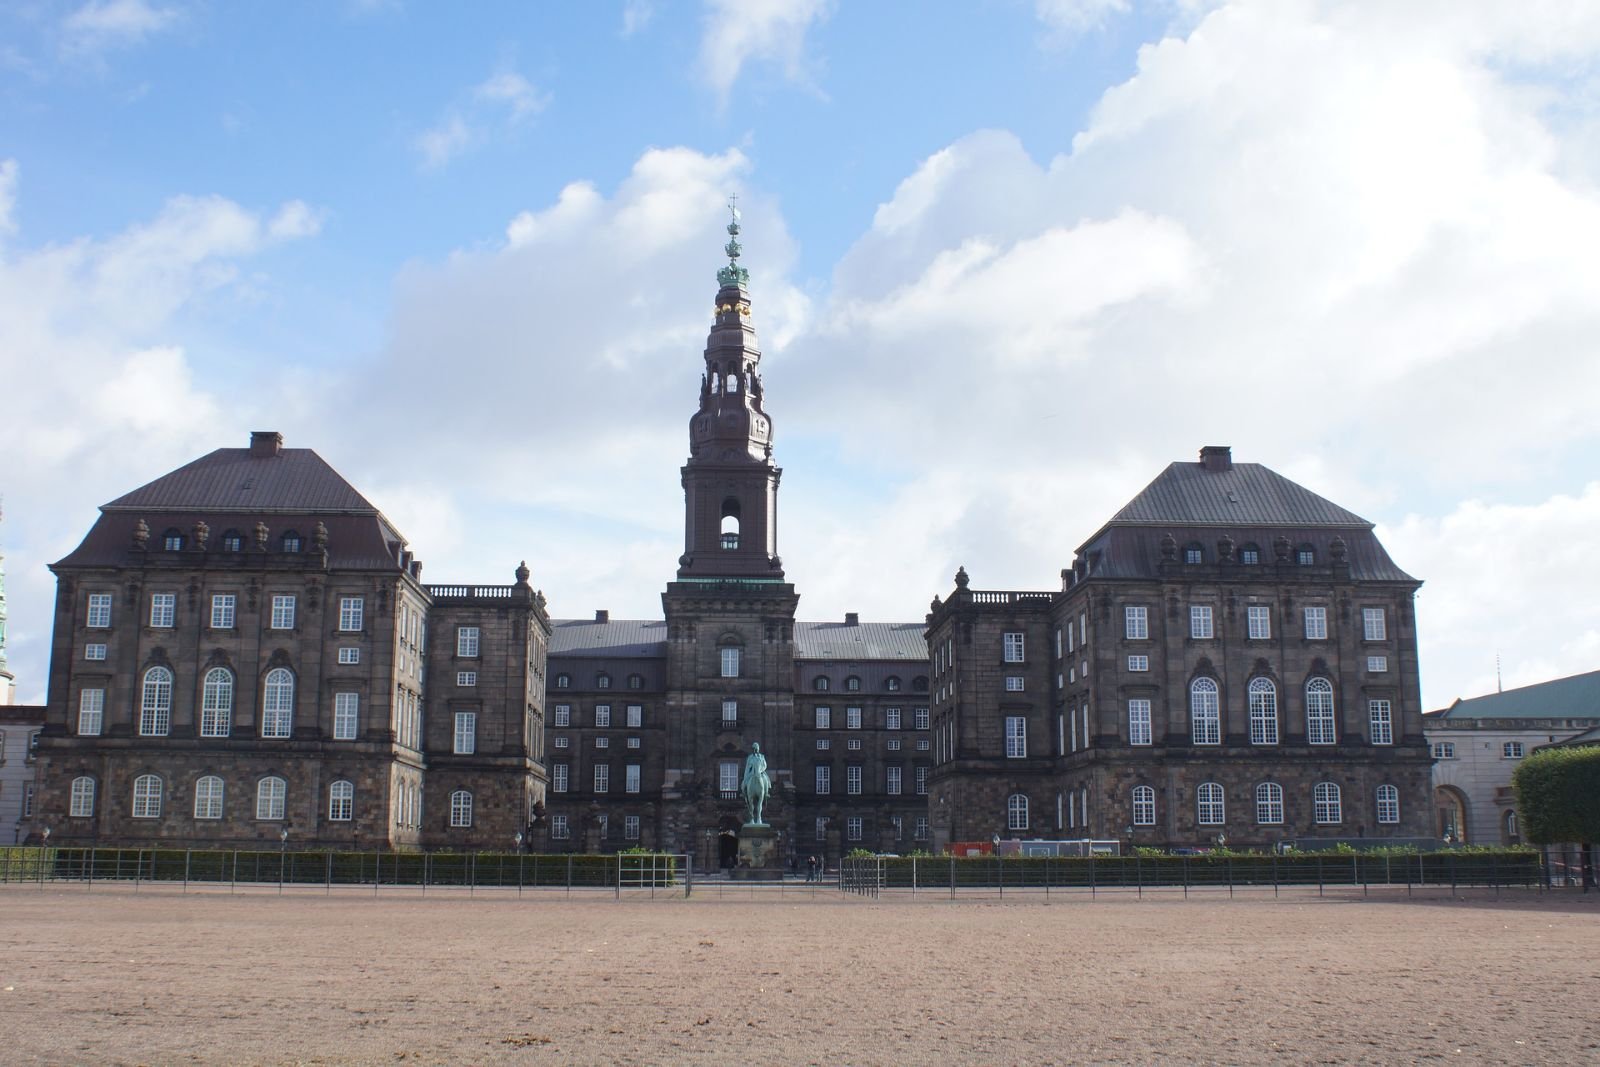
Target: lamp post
(518, 840)
(283, 851)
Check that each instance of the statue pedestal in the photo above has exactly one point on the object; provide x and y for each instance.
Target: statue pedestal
(760, 859)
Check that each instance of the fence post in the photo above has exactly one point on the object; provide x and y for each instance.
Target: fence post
(619, 876)
(520, 858)
(1357, 870)
(91, 868)
(913, 878)
(1185, 877)
(569, 874)
(1494, 872)
(952, 876)
(1274, 876)
(1319, 875)
(1138, 873)
(138, 869)
(1227, 865)
(1092, 885)
(187, 853)
(377, 873)
(328, 887)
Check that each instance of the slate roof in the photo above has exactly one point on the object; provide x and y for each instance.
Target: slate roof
(1247, 494)
(232, 479)
(813, 640)
(619, 637)
(1577, 697)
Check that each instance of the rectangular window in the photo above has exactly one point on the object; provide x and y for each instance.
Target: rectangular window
(824, 718)
(1259, 622)
(1200, 621)
(892, 778)
(283, 613)
(563, 715)
(852, 718)
(891, 718)
(1144, 806)
(602, 742)
(630, 827)
(899, 824)
(467, 641)
(922, 745)
(730, 712)
(1138, 663)
(559, 830)
(635, 716)
(602, 777)
(466, 741)
(1511, 750)
(346, 712)
(1013, 683)
(1374, 627)
(730, 663)
(223, 606)
(602, 715)
(349, 656)
(99, 611)
(630, 778)
(562, 742)
(893, 744)
(351, 612)
(823, 744)
(920, 718)
(558, 777)
(1016, 737)
(852, 779)
(819, 828)
(1136, 622)
(852, 826)
(854, 744)
(466, 678)
(1380, 715)
(824, 779)
(91, 712)
(922, 781)
(1013, 648)
(163, 609)
(1139, 722)
(96, 652)
(1444, 750)
(1316, 624)
(728, 778)
(1377, 664)
(920, 831)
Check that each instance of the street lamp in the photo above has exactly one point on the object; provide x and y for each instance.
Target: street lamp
(283, 849)
(518, 840)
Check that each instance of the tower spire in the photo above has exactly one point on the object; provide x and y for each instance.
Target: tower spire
(733, 275)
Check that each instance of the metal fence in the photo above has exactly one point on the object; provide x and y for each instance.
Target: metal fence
(615, 875)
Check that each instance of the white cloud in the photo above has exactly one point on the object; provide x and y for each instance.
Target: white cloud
(636, 15)
(440, 144)
(104, 24)
(8, 196)
(515, 92)
(738, 32)
(504, 99)
(1068, 18)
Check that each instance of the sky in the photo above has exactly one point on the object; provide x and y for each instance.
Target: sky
(1009, 259)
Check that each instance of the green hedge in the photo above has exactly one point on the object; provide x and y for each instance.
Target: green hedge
(1558, 795)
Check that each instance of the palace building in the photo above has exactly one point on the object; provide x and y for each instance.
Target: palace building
(245, 654)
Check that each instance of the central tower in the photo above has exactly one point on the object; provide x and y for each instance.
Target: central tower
(729, 613)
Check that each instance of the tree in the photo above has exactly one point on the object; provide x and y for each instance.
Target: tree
(1558, 799)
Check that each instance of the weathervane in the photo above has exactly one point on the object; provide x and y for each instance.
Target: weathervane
(733, 274)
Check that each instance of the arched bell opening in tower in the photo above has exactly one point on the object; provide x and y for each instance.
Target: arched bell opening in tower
(730, 523)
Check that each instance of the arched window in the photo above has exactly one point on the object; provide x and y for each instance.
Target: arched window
(1016, 812)
(147, 797)
(1250, 554)
(155, 704)
(1320, 728)
(341, 801)
(602, 680)
(1388, 805)
(1269, 803)
(1208, 801)
(172, 540)
(216, 704)
(82, 798)
(232, 541)
(892, 684)
(1326, 807)
(291, 541)
(208, 797)
(821, 683)
(563, 681)
(730, 520)
(1509, 833)
(852, 684)
(1305, 555)
(1193, 552)
(1144, 806)
(635, 681)
(1205, 715)
(277, 704)
(1263, 712)
(920, 683)
(270, 794)
(461, 808)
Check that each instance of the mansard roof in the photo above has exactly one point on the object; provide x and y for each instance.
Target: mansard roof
(840, 641)
(641, 638)
(251, 481)
(1242, 494)
(1577, 697)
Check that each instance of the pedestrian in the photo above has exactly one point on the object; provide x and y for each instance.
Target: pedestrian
(811, 868)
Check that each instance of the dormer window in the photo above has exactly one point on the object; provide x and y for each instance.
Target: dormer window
(172, 541)
(853, 684)
(920, 683)
(602, 680)
(1250, 555)
(232, 541)
(1193, 553)
(563, 681)
(635, 681)
(821, 684)
(1305, 555)
(892, 684)
(291, 541)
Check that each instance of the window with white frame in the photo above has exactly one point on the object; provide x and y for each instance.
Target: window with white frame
(277, 705)
(1377, 664)
(163, 610)
(91, 712)
(852, 718)
(1193, 553)
(630, 827)
(216, 703)
(99, 614)
(559, 829)
(1013, 647)
(341, 801)
(270, 795)
(728, 777)
(730, 662)
(1136, 622)
(1444, 750)
(1320, 725)
(823, 780)
(852, 779)
(921, 778)
(1016, 812)
(893, 744)
(466, 679)
(466, 735)
(1200, 623)
(892, 775)
(558, 777)
(823, 744)
(1374, 627)
(821, 683)
(892, 684)
(1380, 716)
(602, 777)
(1209, 804)
(1205, 712)
(730, 712)
(853, 828)
(562, 742)
(919, 831)
(891, 718)
(563, 681)
(1263, 697)
(208, 797)
(635, 716)
(1144, 805)
(1138, 663)
(1269, 804)
(853, 744)
(819, 828)
(630, 778)
(920, 718)
(824, 718)
(1326, 807)
(1316, 624)
(1511, 750)
(467, 641)
(349, 655)
(602, 742)
(352, 613)
(563, 715)
(346, 714)
(224, 607)
(1388, 805)
(602, 680)
(1013, 683)
(94, 651)
(460, 808)
(1016, 737)
(1139, 729)
(81, 806)
(922, 745)
(155, 703)
(852, 684)
(282, 612)
(1258, 622)
(602, 715)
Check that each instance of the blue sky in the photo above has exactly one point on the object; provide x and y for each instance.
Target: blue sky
(1010, 258)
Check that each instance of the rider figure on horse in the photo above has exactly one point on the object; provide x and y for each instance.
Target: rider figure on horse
(755, 786)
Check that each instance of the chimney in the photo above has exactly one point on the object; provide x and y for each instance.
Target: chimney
(602, 615)
(851, 618)
(1217, 457)
(265, 443)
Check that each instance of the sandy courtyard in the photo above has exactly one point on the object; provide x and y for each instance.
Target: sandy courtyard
(159, 977)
